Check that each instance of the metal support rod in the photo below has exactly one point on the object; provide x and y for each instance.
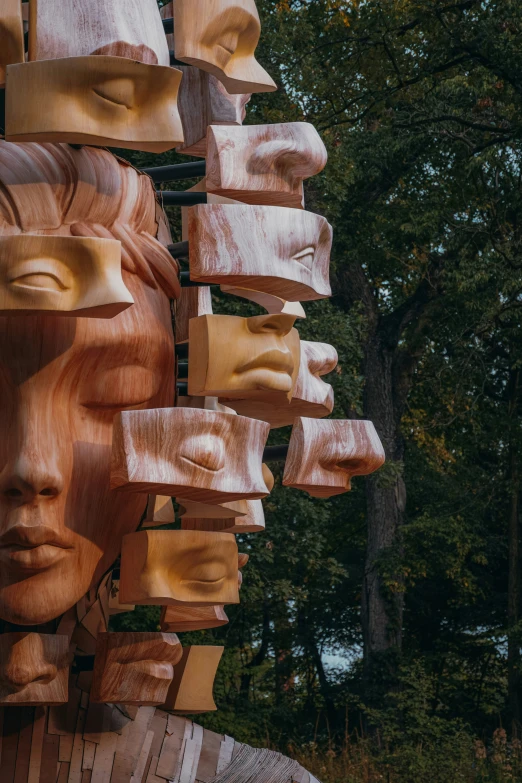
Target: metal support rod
(181, 198)
(186, 282)
(275, 453)
(182, 369)
(182, 350)
(178, 171)
(168, 25)
(179, 249)
(182, 389)
(173, 60)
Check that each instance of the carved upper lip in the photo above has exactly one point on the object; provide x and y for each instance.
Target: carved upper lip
(275, 360)
(29, 537)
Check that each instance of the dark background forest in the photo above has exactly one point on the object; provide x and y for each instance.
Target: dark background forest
(379, 634)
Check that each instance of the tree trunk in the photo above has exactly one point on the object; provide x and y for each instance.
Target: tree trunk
(513, 608)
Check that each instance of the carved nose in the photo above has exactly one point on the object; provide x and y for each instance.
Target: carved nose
(29, 483)
(17, 677)
(279, 324)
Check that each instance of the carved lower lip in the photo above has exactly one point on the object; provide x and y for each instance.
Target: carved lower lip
(275, 361)
(33, 558)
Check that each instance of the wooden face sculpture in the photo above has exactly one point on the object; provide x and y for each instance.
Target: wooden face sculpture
(60, 525)
(285, 252)
(34, 669)
(220, 36)
(263, 360)
(98, 73)
(263, 164)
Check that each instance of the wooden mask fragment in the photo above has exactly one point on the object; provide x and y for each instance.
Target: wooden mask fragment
(196, 454)
(285, 252)
(220, 37)
(191, 689)
(11, 36)
(261, 361)
(203, 101)
(75, 276)
(264, 164)
(184, 619)
(34, 669)
(325, 454)
(252, 522)
(162, 567)
(312, 397)
(134, 668)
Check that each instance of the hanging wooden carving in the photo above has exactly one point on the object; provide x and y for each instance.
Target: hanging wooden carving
(252, 522)
(200, 455)
(263, 164)
(134, 668)
(324, 455)
(221, 36)
(161, 567)
(77, 276)
(270, 249)
(312, 397)
(34, 669)
(98, 74)
(11, 36)
(191, 690)
(184, 619)
(262, 360)
(160, 511)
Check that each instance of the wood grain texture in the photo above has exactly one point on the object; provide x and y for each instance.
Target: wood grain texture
(11, 36)
(262, 359)
(264, 164)
(203, 101)
(162, 567)
(33, 669)
(199, 455)
(284, 252)
(76, 276)
(95, 100)
(190, 509)
(272, 304)
(191, 689)
(325, 454)
(192, 303)
(184, 619)
(115, 607)
(160, 510)
(134, 668)
(220, 37)
(312, 398)
(63, 379)
(252, 522)
(122, 28)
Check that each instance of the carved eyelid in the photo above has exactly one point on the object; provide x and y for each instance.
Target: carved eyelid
(307, 252)
(207, 457)
(39, 267)
(103, 90)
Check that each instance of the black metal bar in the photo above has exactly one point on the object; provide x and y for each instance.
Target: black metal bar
(197, 168)
(179, 250)
(173, 60)
(182, 369)
(182, 350)
(275, 453)
(181, 198)
(186, 282)
(182, 389)
(168, 25)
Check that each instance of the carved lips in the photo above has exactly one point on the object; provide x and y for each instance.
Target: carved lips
(32, 548)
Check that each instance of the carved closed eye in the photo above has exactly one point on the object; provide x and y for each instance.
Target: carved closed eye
(120, 92)
(119, 387)
(204, 451)
(39, 282)
(305, 257)
(48, 275)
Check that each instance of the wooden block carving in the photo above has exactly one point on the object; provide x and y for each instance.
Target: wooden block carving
(262, 357)
(203, 101)
(160, 510)
(252, 522)
(76, 276)
(264, 164)
(34, 669)
(221, 36)
(162, 567)
(134, 668)
(11, 35)
(191, 689)
(325, 454)
(96, 100)
(272, 304)
(114, 600)
(190, 509)
(193, 302)
(183, 619)
(121, 28)
(285, 252)
(196, 454)
(312, 397)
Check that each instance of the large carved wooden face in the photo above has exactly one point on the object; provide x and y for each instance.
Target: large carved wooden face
(61, 382)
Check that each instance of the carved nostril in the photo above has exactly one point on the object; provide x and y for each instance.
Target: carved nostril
(13, 493)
